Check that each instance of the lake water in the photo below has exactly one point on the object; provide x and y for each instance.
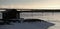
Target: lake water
(52, 21)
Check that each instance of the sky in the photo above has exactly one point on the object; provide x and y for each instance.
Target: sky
(30, 4)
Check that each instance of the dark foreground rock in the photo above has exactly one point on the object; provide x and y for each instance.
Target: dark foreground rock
(32, 20)
(26, 25)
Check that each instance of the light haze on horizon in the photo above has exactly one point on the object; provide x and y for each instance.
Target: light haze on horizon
(30, 4)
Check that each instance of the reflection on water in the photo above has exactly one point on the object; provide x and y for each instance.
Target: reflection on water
(35, 25)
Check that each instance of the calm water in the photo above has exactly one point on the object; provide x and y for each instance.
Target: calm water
(52, 21)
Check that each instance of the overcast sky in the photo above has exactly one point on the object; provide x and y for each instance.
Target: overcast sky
(30, 4)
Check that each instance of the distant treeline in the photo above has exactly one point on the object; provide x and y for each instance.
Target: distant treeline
(36, 10)
(42, 11)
